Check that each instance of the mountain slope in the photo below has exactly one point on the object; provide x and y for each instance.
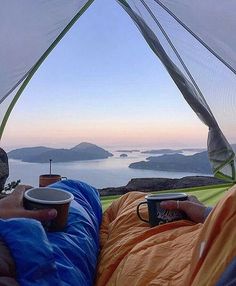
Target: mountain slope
(27, 152)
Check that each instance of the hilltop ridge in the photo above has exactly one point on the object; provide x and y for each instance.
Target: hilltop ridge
(41, 154)
(197, 163)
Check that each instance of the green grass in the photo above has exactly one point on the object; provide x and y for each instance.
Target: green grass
(209, 195)
(107, 200)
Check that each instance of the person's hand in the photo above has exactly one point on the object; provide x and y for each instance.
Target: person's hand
(12, 207)
(192, 207)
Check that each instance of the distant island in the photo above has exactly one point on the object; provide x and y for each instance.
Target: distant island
(172, 151)
(197, 163)
(128, 151)
(162, 151)
(82, 151)
(179, 151)
(123, 155)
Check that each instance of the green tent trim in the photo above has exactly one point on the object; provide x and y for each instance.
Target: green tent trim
(38, 64)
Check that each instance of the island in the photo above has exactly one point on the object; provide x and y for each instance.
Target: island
(162, 151)
(82, 151)
(123, 155)
(128, 151)
(173, 151)
(197, 163)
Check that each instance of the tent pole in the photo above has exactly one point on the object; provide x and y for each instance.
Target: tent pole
(38, 64)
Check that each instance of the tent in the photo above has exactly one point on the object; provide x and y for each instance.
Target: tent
(177, 32)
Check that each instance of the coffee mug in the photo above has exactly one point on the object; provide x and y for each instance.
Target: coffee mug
(158, 215)
(49, 198)
(48, 179)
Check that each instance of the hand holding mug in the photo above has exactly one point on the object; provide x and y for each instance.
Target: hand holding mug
(12, 206)
(192, 207)
(158, 215)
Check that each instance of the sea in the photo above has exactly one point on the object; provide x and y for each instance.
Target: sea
(111, 172)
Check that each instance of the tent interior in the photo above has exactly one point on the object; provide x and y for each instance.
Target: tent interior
(193, 40)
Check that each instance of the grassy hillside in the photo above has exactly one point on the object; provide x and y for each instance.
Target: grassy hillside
(209, 195)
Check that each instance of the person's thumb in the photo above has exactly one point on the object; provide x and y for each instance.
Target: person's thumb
(42, 215)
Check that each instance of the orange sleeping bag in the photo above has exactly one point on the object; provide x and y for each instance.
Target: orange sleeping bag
(178, 253)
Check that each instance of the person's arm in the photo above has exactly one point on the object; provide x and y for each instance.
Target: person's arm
(193, 208)
(12, 207)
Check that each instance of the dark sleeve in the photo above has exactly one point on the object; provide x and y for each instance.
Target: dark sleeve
(207, 212)
(228, 278)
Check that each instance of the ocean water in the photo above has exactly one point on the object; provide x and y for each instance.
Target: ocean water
(110, 172)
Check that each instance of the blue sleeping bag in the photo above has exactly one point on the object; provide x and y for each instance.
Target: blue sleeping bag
(58, 258)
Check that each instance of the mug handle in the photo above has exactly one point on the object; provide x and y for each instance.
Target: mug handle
(142, 203)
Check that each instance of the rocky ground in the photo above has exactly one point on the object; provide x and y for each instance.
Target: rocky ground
(159, 184)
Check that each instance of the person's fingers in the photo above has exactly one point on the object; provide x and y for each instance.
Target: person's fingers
(27, 187)
(46, 214)
(194, 199)
(16, 197)
(20, 188)
(193, 210)
(19, 191)
(173, 205)
(169, 205)
(18, 194)
(185, 205)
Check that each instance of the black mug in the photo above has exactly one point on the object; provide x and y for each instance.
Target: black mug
(158, 215)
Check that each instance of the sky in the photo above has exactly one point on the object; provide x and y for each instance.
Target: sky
(103, 84)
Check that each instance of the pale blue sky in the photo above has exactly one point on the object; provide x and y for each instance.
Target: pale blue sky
(103, 84)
